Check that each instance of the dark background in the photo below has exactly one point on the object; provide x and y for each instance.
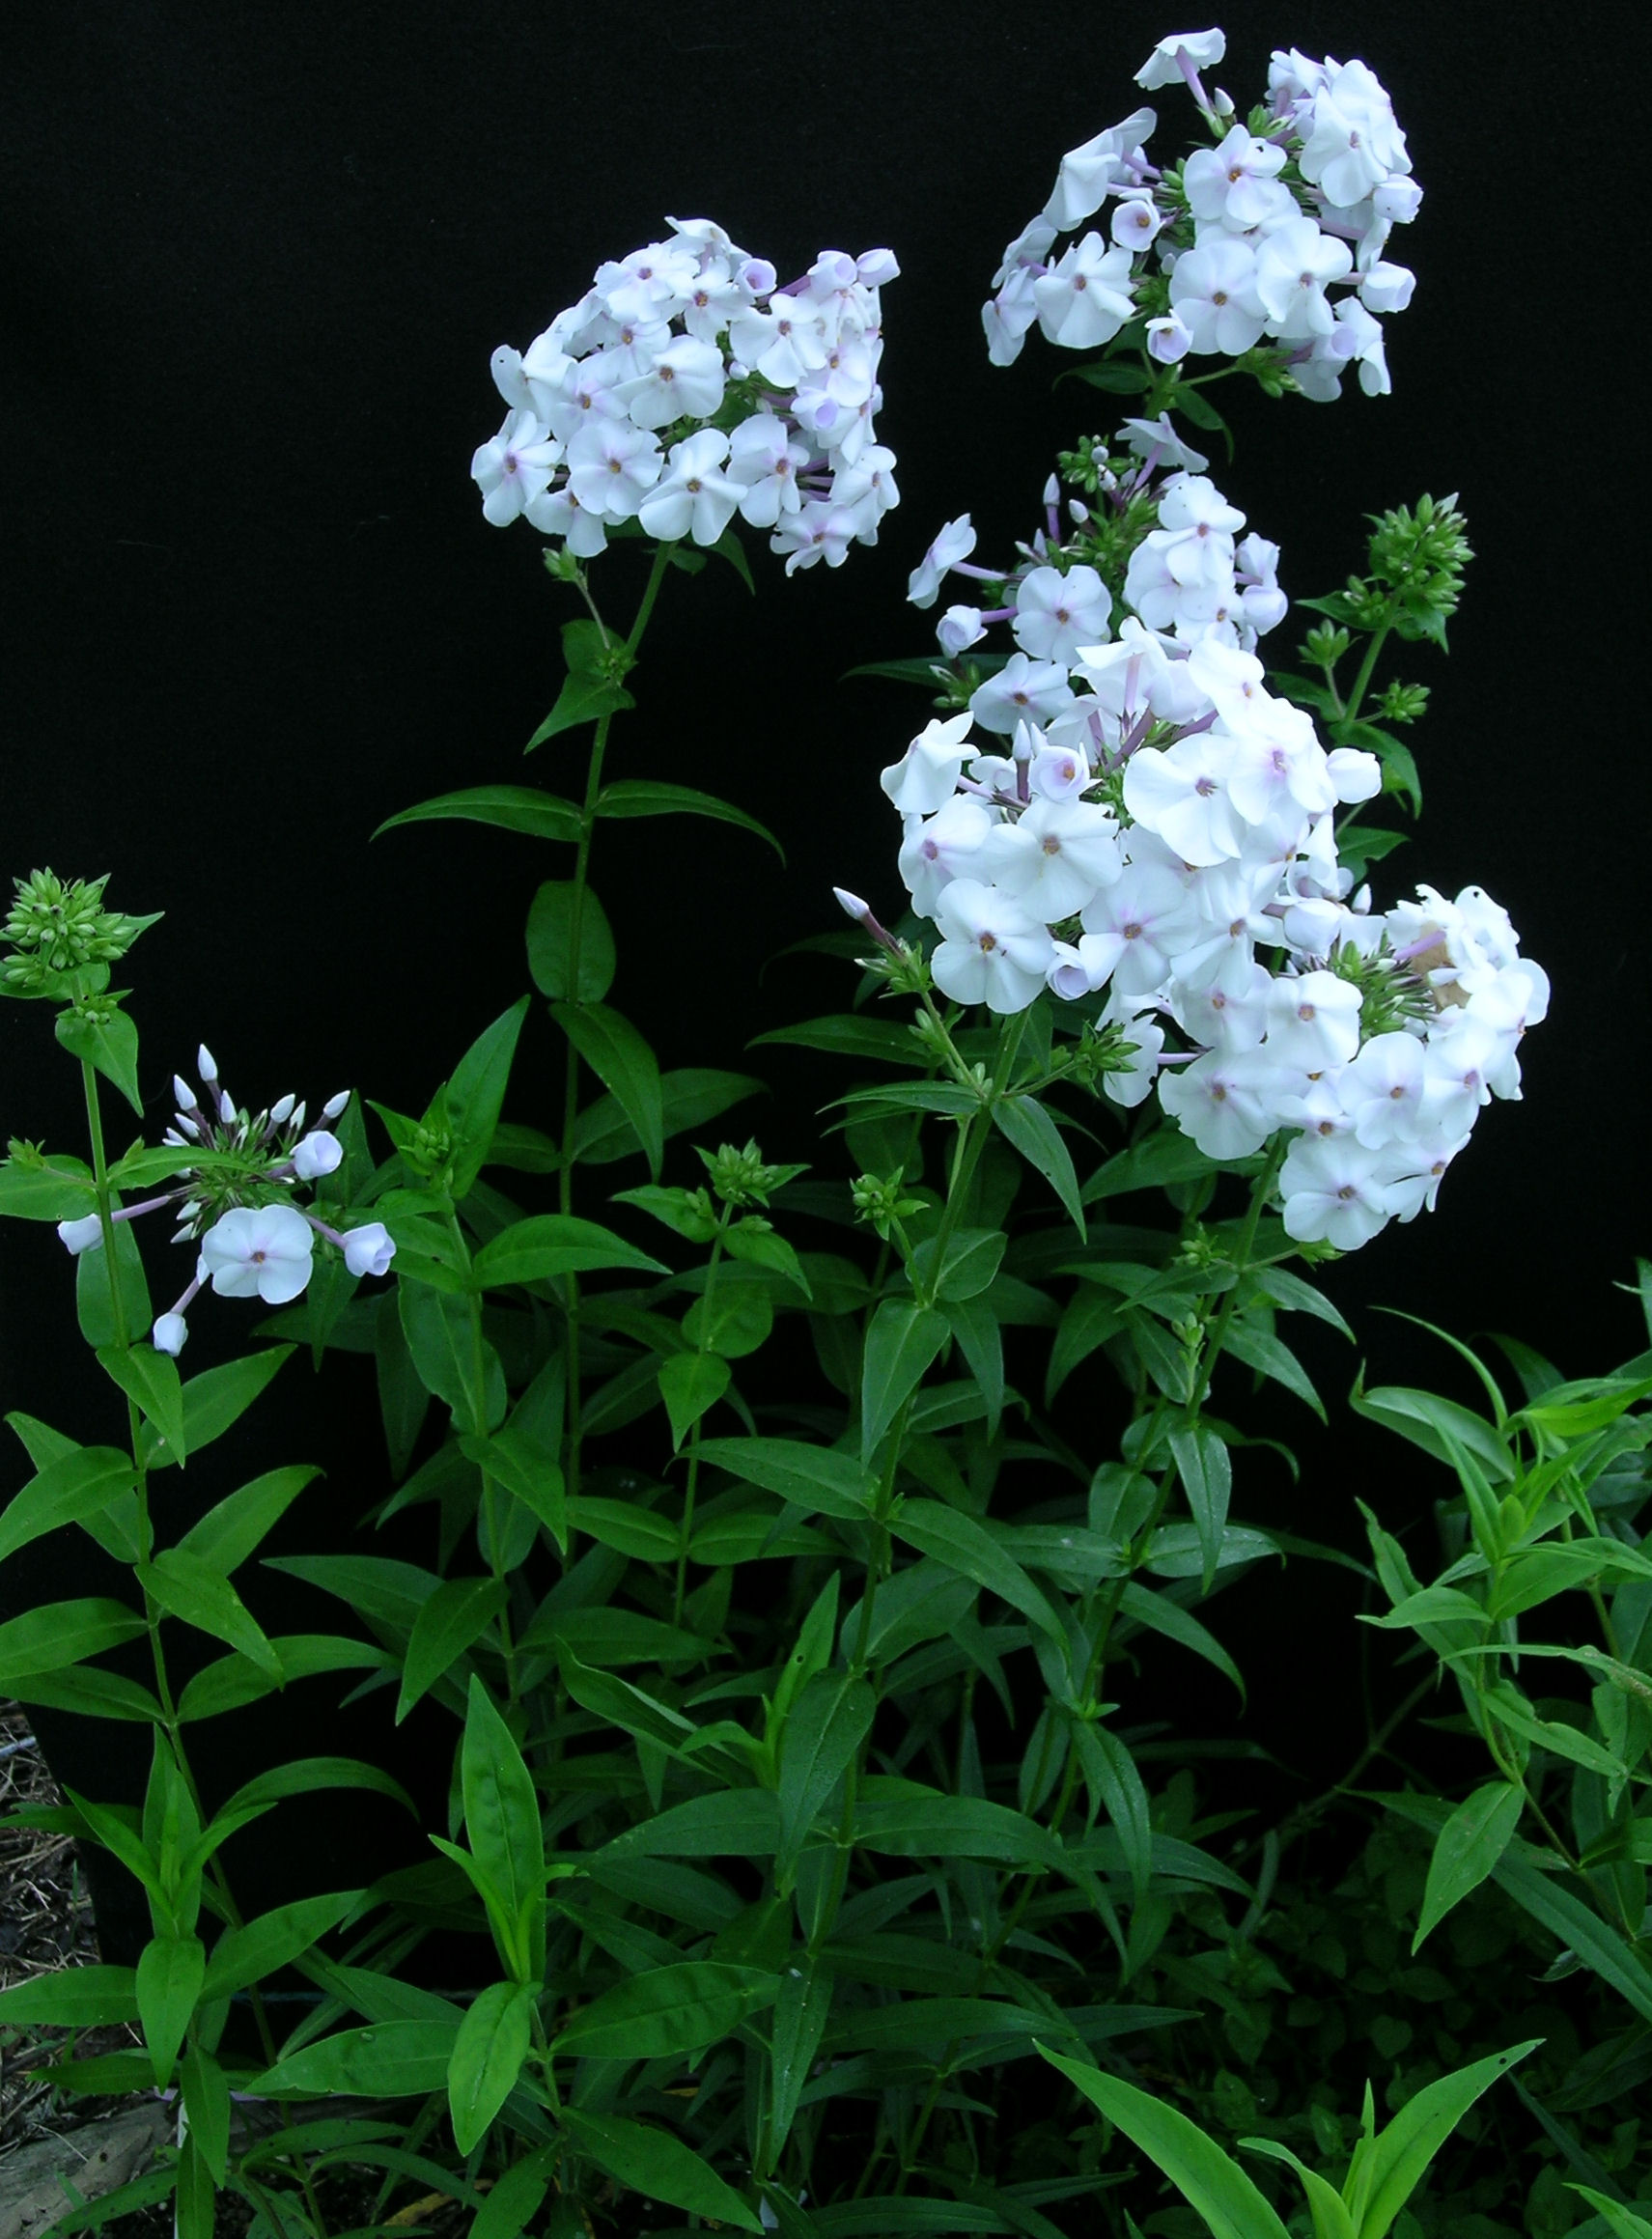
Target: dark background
(255, 263)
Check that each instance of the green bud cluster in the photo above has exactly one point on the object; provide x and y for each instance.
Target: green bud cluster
(58, 931)
(1388, 997)
(1401, 703)
(739, 1177)
(878, 1201)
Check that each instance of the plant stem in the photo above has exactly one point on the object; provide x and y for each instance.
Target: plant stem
(692, 1486)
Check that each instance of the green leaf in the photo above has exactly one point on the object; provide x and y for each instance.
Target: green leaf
(1467, 1849)
(1206, 1470)
(1110, 1772)
(307, 1774)
(690, 1097)
(78, 1997)
(502, 1820)
(551, 945)
(455, 1616)
(732, 1316)
(969, 1548)
(515, 808)
(1330, 2218)
(151, 1381)
(802, 2004)
(1432, 1422)
(1159, 1160)
(171, 1970)
(901, 1344)
(821, 1479)
(515, 2197)
(56, 1190)
(192, 1591)
(625, 1064)
(262, 1947)
(618, 1703)
(1510, 1708)
(1269, 1355)
(821, 1738)
(110, 1043)
(654, 2162)
(236, 1527)
(77, 1485)
(217, 1398)
(441, 1336)
(673, 2012)
(1578, 1928)
(550, 1245)
(1625, 2224)
(1024, 1121)
(391, 2059)
(974, 1257)
(63, 1633)
(89, 1690)
(691, 1383)
(207, 2107)
(627, 1528)
(527, 1472)
(846, 1036)
(733, 1823)
(1118, 378)
(649, 797)
(931, 1824)
(487, 2059)
(93, 1305)
(1216, 2186)
(476, 1095)
(1385, 2170)
(980, 1340)
(234, 1681)
(1160, 1615)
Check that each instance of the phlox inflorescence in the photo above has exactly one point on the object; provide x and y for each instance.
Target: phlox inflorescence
(237, 1170)
(1272, 239)
(687, 387)
(1149, 832)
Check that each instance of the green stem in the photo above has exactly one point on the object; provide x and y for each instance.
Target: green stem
(690, 1488)
(576, 938)
(490, 1489)
(171, 1724)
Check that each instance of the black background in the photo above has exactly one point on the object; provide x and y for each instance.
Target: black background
(256, 261)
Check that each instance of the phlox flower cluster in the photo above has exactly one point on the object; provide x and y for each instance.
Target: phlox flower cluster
(237, 1204)
(1158, 842)
(686, 386)
(1274, 236)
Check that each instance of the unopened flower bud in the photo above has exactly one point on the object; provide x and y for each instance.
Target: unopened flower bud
(319, 1154)
(281, 1109)
(335, 1105)
(83, 1235)
(369, 1250)
(225, 1109)
(182, 1092)
(170, 1334)
(853, 904)
(206, 1067)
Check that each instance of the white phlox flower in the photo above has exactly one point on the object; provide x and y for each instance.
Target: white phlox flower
(259, 1251)
(609, 404)
(992, 950)
(1267, 223)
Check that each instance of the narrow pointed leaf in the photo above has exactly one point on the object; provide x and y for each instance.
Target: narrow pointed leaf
(515, 808)
(549, 1245)
(1467, 1848)
(456, 1616)
(216, 1399)
(76, 1485)
(625, 1066)
(968, 1547)
(657, 2165)
(666, 2012)
(487, 2059)
(150, 1380)
(198, 1594)
(824, 1730)
(901, 1344)
(502, 1820)
(650, 797)
(233, 1531)
(1398, 2157)
(1024, 1121)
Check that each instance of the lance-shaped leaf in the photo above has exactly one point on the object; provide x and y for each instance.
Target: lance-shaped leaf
(515, 2197)
(235, 1527)
(305, 1775)
(151, 1381)
(673, 2012)
(1466, 1850)
(552, 964)
(1216, 2186)
(76, 1485)
(192, 1591)
(822, 1733)
(261, 1948)
(476, 1093)
(54, 1189)
(389, 2059)
(456, 1616)
(1385, 2170)
(691, 1383)
(487, 2059)
(526, 1468)
(969, 1548)
(80, 1998)
(171, 1970)
(513, 808)
(654, 2162)
(824, 1480)
(216, 1399)
(1330, 2218)
(901, 1344)
(1024, 1121)
(207, 2110)
(109, 1041)
(931, 1824)
(1206, 1470)
(733, 1823)
(625, 1066)
(802, 2004)
(549, 1245)
(650, 797)
(93, 1307)
(502, 1819)
(62, 1633)
(1111, 1773)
